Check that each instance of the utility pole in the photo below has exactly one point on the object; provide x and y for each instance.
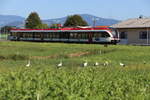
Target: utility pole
(94, 21)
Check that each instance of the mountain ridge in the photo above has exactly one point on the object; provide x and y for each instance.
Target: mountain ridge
(18, 21)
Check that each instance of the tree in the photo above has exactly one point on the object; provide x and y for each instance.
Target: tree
(75, 20)
(55, 26)
(33, 21)
(42, 26)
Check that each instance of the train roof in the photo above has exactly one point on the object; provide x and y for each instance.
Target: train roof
(63, 29)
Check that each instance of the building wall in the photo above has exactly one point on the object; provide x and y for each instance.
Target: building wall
(133, 35)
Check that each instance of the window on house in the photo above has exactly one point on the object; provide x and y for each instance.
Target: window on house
(123, 35)
(143, 35)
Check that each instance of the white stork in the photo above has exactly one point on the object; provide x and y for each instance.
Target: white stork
(106, 63)
(60, 64)
(28, 64)
(96, 64)
(123, 65)
(85, 64)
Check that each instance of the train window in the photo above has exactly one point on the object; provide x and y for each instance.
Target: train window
(104, 34)
(64, 35)
(49, 35)
(79, 35)
(97, 35)
(67, 35)
(46, 35)
(73, 35)
(27, 35)
(30, 35)
(24, 35)
(84, 35)
(55, 35)
(101, 34)
(14, 34)
(20, 34)
(37, 35)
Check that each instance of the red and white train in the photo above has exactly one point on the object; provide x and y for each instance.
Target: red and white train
(103, 34)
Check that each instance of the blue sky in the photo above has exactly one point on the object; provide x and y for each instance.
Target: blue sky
(47, 9)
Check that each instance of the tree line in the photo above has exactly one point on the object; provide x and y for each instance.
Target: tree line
(33, 21)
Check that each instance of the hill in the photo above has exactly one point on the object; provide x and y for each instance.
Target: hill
(13, 20)
(87, 17)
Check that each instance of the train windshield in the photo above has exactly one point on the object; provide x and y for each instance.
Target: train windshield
(114, 33)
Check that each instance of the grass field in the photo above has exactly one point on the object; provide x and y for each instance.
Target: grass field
(43, 80)
(3, 36)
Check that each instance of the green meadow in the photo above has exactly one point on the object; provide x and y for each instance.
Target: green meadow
(44, 80)
(3, 36)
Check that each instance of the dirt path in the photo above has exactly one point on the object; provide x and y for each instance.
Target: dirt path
(78, 54)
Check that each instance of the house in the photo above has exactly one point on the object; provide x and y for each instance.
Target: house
(134, 31)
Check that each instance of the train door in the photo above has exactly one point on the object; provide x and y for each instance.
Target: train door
(18, 36)
(90, 37)
(42, 36)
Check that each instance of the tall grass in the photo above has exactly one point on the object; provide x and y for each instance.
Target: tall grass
(45, 81)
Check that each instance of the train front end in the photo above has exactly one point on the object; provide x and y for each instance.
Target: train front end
(114, 36)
